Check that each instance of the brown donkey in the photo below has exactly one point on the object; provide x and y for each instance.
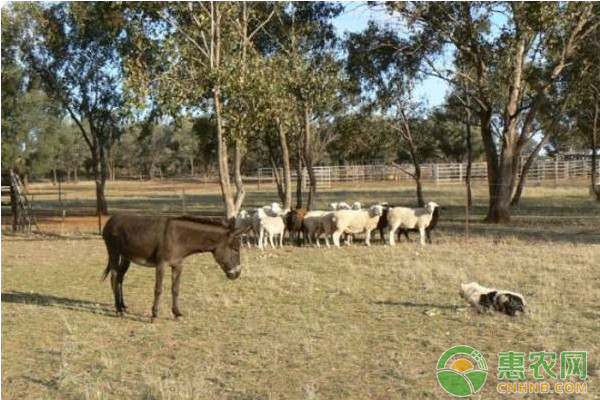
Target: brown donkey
(161, 241)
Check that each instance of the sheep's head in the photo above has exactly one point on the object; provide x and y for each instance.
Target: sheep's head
(261, 213)
(333, 206)
(377, 209)
(343, 206)
(243, 214)
(356, 206)
(430, 207)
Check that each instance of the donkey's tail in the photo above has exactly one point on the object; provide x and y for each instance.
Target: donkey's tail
(106, 272)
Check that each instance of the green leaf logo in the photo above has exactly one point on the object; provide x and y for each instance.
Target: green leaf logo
(462, 377)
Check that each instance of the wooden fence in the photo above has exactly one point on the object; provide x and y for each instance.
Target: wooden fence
(438, 174)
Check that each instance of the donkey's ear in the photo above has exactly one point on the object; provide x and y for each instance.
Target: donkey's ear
(241, 230)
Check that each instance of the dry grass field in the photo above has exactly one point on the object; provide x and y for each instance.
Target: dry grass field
(300, 323)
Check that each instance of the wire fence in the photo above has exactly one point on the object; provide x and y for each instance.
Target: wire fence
(438, 174)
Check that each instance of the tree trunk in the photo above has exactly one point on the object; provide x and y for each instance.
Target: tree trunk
(469, 152)
(224, 181)
(278, 180)
(99, 169)
(406, 134)
(308, 159)
(240, 191)
(499, 211)
(525, 169)
(287, 173)
(299, 178)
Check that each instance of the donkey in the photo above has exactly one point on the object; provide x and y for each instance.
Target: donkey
(161, 241)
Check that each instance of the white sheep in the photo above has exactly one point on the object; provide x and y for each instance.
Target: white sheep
(244, 220)
(272, 210)
(355, 221)
(339, 206)
(410, 218)
(356, 206)
(484, 299)
(273, 226)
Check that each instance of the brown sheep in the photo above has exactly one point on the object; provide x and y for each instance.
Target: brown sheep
(293, 224)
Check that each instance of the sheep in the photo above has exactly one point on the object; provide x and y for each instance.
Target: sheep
(293, 223)
(410, 218)
(382, 224)
(432, 224)
(272, 210)
(243, 220)
(484, 299)
(273, 226)
(355, 221)
(339, 206)
(356, 206)
(311, 225)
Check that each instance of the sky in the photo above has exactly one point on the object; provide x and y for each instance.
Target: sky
(355, 19)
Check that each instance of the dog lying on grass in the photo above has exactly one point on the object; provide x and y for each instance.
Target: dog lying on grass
(486, 299)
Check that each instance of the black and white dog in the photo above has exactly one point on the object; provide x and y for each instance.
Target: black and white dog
(484, 299)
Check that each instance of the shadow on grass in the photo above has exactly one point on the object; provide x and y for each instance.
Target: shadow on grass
(46, 300)
(416, 305)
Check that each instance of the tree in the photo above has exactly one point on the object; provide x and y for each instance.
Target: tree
(199, 60)
(386, 69)
(513, 55)
(73, 51)
(583, 109)
(27, 112)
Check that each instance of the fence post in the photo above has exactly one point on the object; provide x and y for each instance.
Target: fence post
(259, 179)
(436, 174)
(555, 173)
(567, 169)
(183, 200)
(460, 172)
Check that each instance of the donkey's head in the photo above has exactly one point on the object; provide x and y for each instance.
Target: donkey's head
(227, 252)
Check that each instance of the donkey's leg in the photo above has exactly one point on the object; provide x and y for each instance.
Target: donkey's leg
(160, 273)
(113, 266)
(123, 267)
(176, 269)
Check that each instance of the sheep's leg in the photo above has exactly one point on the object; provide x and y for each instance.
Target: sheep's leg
(393, 229)
(428, 232)
(271, 239)
(368, 237)
(336, 238)
(261, 235)
(281, 241)
(422, 235)
(327, 242)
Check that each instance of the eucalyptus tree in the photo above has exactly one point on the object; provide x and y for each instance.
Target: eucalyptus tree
(583, 109)
(513, 55)
(72, 49)
(301, 43)
(28, 113)
(195, 57)
(385, 65)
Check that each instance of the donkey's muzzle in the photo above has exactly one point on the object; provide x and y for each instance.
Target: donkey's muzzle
(234, 273)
